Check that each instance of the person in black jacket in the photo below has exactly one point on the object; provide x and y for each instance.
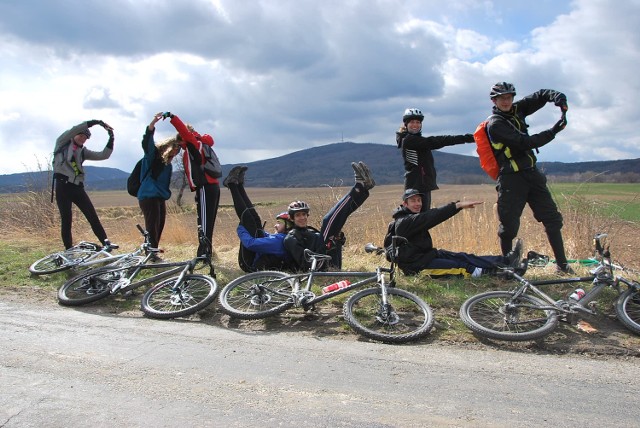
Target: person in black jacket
(519, 181)
(418, 254)
(329, 239)
(420, 171)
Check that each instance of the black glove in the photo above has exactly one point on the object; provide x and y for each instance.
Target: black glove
(559, 126)
(469, 138)
(560, 100)
(167, 114)
(90, 123)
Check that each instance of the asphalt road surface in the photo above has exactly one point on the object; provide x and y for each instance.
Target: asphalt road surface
(61, 367)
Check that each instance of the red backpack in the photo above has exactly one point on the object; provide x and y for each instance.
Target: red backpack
(483, 146)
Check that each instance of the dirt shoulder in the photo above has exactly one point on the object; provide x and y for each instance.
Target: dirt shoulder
(609, 339)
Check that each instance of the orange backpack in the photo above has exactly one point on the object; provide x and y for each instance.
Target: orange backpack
(483, 147)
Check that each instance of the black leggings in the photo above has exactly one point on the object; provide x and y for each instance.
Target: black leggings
(207, 202)
(155, 214)
(67, 194)
(245, 211)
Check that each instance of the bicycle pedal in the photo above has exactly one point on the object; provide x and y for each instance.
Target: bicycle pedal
(309, 308)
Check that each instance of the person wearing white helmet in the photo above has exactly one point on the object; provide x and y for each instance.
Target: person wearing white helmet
(420, 171)
(519, 181)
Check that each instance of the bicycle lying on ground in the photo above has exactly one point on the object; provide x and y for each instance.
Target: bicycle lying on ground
(528, 313)
(383, 312)
(175, 296)
(84, 255)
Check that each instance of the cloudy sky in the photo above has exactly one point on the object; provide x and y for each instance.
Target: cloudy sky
(269, 77)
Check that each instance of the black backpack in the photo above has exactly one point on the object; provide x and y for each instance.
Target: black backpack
(134, 181)
(211, 162)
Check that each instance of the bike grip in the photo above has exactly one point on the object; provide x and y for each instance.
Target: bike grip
(140, 228)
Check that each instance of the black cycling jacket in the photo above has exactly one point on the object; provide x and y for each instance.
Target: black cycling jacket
(510, 140)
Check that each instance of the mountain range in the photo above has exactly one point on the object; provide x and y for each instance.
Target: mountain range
(331, 165)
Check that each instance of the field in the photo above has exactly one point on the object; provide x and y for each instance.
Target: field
(30, 229)
(587, 209)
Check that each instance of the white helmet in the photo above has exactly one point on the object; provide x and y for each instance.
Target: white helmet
(412, 114)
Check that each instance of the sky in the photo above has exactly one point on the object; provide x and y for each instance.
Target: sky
(270, 77)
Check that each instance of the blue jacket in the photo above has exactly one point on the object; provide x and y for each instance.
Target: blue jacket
(270, 244)
(157, 180)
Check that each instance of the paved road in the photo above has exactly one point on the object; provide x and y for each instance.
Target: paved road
(65, 367)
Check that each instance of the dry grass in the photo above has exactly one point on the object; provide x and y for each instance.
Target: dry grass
(472, 230)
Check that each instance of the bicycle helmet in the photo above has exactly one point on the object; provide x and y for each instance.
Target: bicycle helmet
(502, 88)
(285, 217)
(297, 206)
(411, 114)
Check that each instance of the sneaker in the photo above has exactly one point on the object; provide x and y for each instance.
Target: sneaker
(233, 177)
(155, 258)
(522, 269)
(243, 170)
(515, 256)
(363, 175)
(566, 269)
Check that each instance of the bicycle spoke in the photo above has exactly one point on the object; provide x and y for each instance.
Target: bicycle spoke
(498, 315)
(404, 317)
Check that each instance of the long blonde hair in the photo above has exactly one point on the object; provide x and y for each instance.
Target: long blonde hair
(165, 149)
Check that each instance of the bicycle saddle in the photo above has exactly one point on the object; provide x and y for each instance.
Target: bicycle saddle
(310, 256)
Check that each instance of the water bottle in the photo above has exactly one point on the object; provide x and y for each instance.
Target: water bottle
(336, 286)
(577, 295)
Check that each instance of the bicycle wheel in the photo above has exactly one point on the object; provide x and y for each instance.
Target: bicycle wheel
(404, 318)
(58, 262)
(257, 295)
(168, 299)
(628, 310)
(89, 286)
(497, 315)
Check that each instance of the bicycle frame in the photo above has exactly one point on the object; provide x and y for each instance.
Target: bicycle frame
(101, 256)
(128, 283)
(601, 277)
(305, 298)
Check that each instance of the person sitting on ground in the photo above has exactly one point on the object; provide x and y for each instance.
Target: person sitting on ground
(259, 250)
(418, 253)
(329, 239)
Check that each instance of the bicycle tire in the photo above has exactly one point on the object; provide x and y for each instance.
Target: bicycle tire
(54, 263)
(88, 287)
(406, 318)
(628, 310)
(247, 297)
(485, 314)
(165, 300)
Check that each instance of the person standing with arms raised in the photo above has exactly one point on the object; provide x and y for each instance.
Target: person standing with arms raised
(519, 181)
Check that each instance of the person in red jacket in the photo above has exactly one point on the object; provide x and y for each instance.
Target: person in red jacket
(207, 188)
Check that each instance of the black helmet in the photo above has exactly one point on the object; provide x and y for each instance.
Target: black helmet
(412, 114)
(502, 88)
(297, 206)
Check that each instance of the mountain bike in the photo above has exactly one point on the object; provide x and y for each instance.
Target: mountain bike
(527, 313)
(179, 293)
(83, 255)
(383, 312)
